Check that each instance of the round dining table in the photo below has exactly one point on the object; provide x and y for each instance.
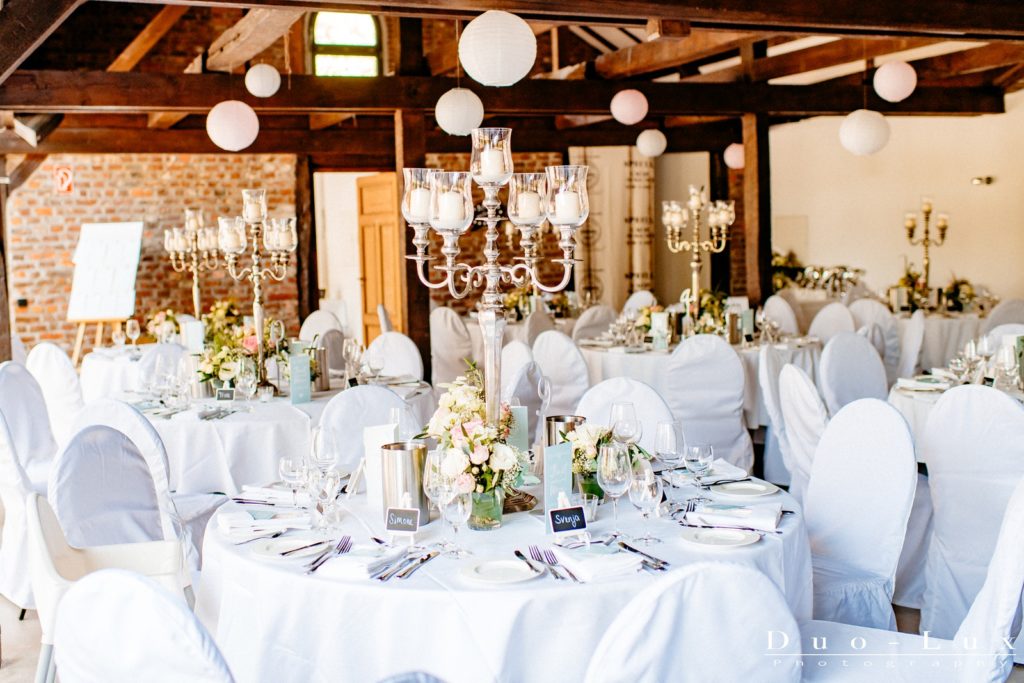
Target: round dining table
(274, 622)
(109, 371)
(945, 335)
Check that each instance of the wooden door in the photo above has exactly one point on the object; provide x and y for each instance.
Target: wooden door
(382, 252)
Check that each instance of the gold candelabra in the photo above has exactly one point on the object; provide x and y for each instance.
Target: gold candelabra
(926, 241)
(192, 248)
(718, 215)
(277, 236)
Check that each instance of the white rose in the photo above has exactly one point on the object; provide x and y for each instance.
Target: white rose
(455, 463)
(502, 457)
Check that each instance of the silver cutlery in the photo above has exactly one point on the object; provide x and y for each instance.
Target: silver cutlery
(657, 562)
(535, 554)
(707, 487)
(417, 564)
(552, 561)
(737, 528)
(344, 545)
(286, 553)
(259, 538)
(405, 563)
(529, 564)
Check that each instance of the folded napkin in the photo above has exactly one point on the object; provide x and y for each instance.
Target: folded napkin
(362, 562)
(921, 384)
(239, 524)
(592, 567)
(720, 471)
(943, 373)
(273, 495)
(764, 517)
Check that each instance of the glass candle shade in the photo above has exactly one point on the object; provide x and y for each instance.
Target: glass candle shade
(568, 204)
(254, 206)
(194, 219)
(231, 235)
(527, 198)
(451, 201)
(416, 198)
(491, 159)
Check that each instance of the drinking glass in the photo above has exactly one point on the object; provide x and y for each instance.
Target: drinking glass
(626, 428)
(320, 456)
(456, 511)
(292, 473)
(324, 497)
(614, 474)
(669, 446)
(698, 461)
(374, 362)
(132, 330)
(276, 334)
(985, 347)
(245, 383)
(118, 337)
(645, 493)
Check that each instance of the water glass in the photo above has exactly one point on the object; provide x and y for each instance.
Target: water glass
(614, 474)
(456, 512)
(645, 493)
(669, 445)
(626, 428)
(698, 460)
(587, 501)
(374, 360)
(132, 330)
(117, 337)
(292, 474)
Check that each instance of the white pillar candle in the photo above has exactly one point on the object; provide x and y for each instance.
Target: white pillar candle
(451, 207)
(492, 164)
(229, 240)
(252, 212)
(168, 241)
(528, 205)
(567, 207)
(419, 204)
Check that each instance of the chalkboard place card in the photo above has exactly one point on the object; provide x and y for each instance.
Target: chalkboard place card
(402, 520)
(567, 520)
(227, 394)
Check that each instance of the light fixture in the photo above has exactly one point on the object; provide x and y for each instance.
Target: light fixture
(651, 143)
(232, 125)
(262, 80)
(497, 48)
(864, 132)
(895, 81)
(459, 111)
(734, 156)
(629, 107)
(982, 180)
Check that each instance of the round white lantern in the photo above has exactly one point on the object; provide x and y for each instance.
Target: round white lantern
(895, 81)
(629, 107)
(734, 156)
(497, 48)
(232, 125)
(262, 80)
(651, 143)
(459, 111)
(864, 132)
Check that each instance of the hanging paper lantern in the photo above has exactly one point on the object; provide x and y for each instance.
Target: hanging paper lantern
(629, 107)
(459, 111)
(232, 125)
(864, 132)
(651, 143)
(262, 80)
(497, 48)
(734, 156)
(895, 81)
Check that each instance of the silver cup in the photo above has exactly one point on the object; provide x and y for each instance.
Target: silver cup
(323, 380)
(557, 425)
(402, 466)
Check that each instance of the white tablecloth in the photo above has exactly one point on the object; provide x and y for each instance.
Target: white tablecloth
(944, 336)
(915, 407)
(513, 331)
(273, 623)
(649, 367)
(108, 372)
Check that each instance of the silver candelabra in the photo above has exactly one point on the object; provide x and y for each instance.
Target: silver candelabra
(192, 248)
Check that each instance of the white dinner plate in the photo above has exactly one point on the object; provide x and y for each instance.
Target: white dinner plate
(720, 538)
(498, 572)
(273, 547)
(746, 489)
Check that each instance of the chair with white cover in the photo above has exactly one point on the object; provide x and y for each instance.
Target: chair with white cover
(514, 355)
(537, 323)
(910, 345)
(779, 311)
(637, 300)
(974, 447)
(832, 319)
(594, 322)
(19, 354)
(979, 651)
(15, 487)
(596, 406)
(23, 413)
(870, 311)
(996, 335)
(857, 505)
(528, 387)
(317, 323)
(805, 417)
(562, 363)
(789, 295)
(777, 457)
(383, 319)
(850, 369)
(347, 414)
(1004, 313)
(705, 388)
(333, 341)
(119, 627)
(56, 566)
(159, 360)
(62, 391)
(400, 353)
(450, 345)
(662, 634)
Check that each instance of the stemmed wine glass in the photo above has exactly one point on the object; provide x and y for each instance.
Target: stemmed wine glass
(276, 334)
(626, 428)
(292, 473)
(457, 511)
(614, 474)
(698, 460)
(669, 447)
(245, 383)
(326, 485)
(132, 330)
(320, 456)
(645, 493)
(438, 489)
(117, 337)
(374, 360)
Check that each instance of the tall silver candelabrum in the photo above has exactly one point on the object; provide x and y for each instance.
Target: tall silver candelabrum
(192, 248)
(444, 201)
(277, 236)
(718, 215)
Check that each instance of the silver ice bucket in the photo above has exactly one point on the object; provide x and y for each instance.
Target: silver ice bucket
(402, 466)
(557, 425)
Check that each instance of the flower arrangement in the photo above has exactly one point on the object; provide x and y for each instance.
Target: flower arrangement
(222, 322)
(643, 317)
(712, 313)
(560, 306)
(230, 343)
(914, 281)
(586, 441)
(517, 302)
(787, 270)
(959, 294)
(221, 364)
(157, 321)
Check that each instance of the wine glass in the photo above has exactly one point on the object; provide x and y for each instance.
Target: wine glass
(245, 382)
(374, 362)
(669, 446)
(626, 428)
(325, 493)
(645, 493)
(698, 460)
(320, 456)
(118, 337)
(276, 334)
(132, 330)
(456, 511)
(985, 348)
(292, 473)
(614, 474)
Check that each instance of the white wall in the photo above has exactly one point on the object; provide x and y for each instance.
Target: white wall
(673, 175)
(853, 207)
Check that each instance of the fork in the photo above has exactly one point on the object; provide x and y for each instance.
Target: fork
(535, 554)
(552, 560)
(344, 545)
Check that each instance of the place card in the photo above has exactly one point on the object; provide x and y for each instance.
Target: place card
(300, 383)
(567, 520)
(519, 435)
(747, 324)
(557, 476)
(402, 520)
(226, 394)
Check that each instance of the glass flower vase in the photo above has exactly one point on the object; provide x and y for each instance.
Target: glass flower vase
(587, 483)
(487, 508)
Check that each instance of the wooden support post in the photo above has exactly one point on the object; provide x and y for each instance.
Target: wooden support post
(721, 270)
(306, 278)
(757, 209)
(5, 303)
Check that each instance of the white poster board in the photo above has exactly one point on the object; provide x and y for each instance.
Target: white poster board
(106, 261)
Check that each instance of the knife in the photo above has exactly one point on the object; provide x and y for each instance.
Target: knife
(404, 564)
(418, 563)
(650, 558)
(529, 564)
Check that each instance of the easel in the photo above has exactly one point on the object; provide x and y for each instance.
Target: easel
(76, 356)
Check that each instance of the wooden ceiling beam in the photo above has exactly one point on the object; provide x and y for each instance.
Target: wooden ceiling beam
(565, 122)
(969, 61)
(322, 121)
(666, 54)
(147, 39)
(25, 24)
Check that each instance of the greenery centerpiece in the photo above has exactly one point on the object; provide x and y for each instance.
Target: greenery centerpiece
(231, 344)
(712, 313)
(587, 440)
(959, 294)
(643, 317)
(517, 302)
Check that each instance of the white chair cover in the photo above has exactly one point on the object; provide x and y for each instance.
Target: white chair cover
(160, 359)
(596, 406)
(61, 389)
(383, 319)
(1004, 313)
(663, 633)
(799, 312)
(594, 322)
(910, 345)
(910, 571)
(851, 369)
(537, 323)
(347, 414)
(995, 337)
(638, 300)
(870, 311)
(705, 389)
(974, 446)
(23, 412)
(334, 342)
(857, 505)
(805, 418)
(778, 310)
(776, 448)
(873, 333)
(855, 292)
(119, 627)
(562, 363)
(450, 345)
(18, 352)
(15, 487)
(514, 356)
(832, 319)
(401, 356)
(526, 388)
(317, 324)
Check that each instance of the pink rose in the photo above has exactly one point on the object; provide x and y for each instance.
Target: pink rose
(479, 455)
(465, 483)
(250, 344)
(473, 426)
(458, 437)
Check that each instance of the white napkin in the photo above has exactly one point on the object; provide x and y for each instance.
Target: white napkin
(273, 495)
(943, 373)
(587, 567)
(361, 562)
(720, 471)
(921, 385)
(238, 524)
(764, 517)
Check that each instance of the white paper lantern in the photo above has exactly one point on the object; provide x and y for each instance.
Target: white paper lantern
(895, 81)
(651, 143)
(629, 107)
(459, 111)
(497, 48)
(734, 156)
(232, 125)
(864, 132)
(262, 80)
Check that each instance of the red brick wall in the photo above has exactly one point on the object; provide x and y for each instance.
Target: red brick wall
(43, 229)
(737, 238)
